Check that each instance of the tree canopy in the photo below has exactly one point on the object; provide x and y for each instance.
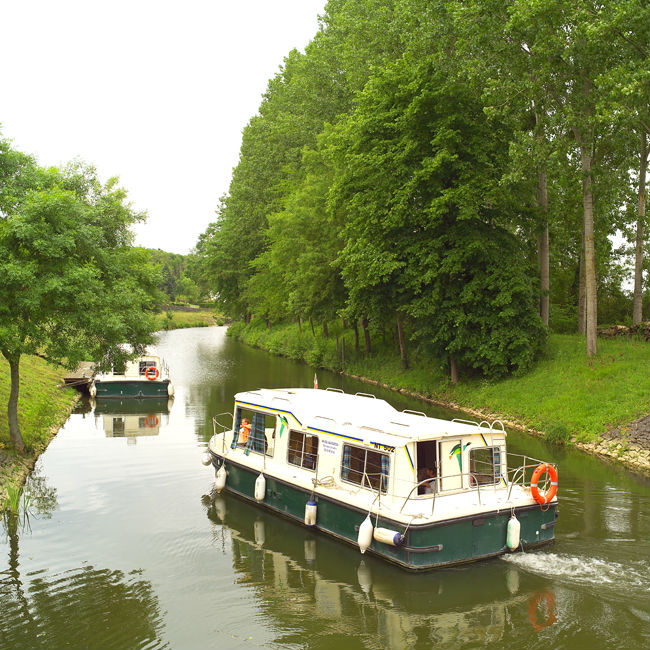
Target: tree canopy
(72, 286)
(456, 170)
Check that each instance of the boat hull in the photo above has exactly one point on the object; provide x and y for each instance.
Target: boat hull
(426, 546)
(132, 389)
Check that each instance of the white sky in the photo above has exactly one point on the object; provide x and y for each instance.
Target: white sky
(154, 92)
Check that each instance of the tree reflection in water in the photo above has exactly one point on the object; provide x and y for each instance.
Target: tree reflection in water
(84, 607)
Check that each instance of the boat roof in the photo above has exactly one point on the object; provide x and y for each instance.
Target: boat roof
(361, 416)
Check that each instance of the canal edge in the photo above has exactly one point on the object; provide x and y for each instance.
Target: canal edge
(15, 469)
(627, 453)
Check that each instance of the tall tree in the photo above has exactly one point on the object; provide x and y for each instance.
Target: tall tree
(72, 287)
(418, 170)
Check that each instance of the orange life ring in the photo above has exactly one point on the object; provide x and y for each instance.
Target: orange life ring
(147, 374)
(151, 421)
(551, 610)
(542, 499)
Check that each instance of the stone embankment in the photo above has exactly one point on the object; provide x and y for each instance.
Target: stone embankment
(628, 445)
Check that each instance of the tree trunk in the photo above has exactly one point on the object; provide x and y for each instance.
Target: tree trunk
(637, 315)
(366, 333)
(402, 343)
(543, 248)
(311, 322)
(300, 324)
(12, 406)
(325, 330)
(356, 336)
(591, 300)
(582, 302)
(343, 352)
(454, 370)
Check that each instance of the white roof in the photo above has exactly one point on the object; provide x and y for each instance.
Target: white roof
(359, 416)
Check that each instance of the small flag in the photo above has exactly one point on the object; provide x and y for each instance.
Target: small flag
(283, 425)
(315, 381)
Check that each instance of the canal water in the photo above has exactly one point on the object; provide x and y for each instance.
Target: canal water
(123, 546)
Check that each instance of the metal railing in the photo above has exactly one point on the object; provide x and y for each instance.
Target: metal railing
(437, 480)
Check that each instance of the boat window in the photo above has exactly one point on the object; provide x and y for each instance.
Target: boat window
(427, 456)
(365, 467)
(485, 465)
(146, 364)
(254, 431)
(303, 450)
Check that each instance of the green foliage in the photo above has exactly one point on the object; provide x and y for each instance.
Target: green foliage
(401, 170)
(73, 287)
(563, 395)
(43, 404)
(12, 500)
(556, 432)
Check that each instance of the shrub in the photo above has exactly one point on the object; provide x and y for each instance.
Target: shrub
(557, 432)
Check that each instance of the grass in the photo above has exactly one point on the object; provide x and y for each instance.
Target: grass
(564, 394)
(566, 389)
(42, 408)
(172, 320)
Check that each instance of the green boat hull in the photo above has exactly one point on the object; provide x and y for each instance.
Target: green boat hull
(425, 546)
(132, 389)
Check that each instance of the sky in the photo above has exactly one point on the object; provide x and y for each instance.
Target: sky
(156, 93)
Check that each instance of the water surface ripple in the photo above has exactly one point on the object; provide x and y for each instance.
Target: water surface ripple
(124, 546)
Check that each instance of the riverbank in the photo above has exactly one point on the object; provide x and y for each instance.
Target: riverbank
(43, 408)
(565, 398)
(174, 318)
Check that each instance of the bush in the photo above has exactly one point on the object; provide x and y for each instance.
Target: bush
(557, 432)
(563, 319)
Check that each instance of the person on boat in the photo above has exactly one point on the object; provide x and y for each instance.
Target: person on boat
(430, 486)
(244, 431)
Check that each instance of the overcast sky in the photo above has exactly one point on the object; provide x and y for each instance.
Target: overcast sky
(154, 92)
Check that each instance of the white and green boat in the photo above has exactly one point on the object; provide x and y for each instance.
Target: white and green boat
(420, 492)
(147, 376)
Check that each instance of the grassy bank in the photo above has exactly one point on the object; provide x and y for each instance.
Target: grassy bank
(174, 320)
(564, 394)
(42, 409)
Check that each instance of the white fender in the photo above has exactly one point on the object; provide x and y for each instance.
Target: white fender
(365, 534)
(93, 390)
(513, 534)
(206, 459)
(260, 488)
(220, 480)
(170, 389)
(311, 510)
(386, 536)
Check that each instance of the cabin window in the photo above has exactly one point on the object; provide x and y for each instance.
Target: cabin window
(427, 457)
(254, 431)
(365, 467)
(485, 465)
(303, 450)
(146, 364)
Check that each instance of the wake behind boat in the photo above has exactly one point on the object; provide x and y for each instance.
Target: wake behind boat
(420, 492)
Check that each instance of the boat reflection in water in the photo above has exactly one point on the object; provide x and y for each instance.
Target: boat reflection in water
(314, 587)
(130, 418)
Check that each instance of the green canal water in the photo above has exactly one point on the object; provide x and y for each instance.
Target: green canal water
(123, 547)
